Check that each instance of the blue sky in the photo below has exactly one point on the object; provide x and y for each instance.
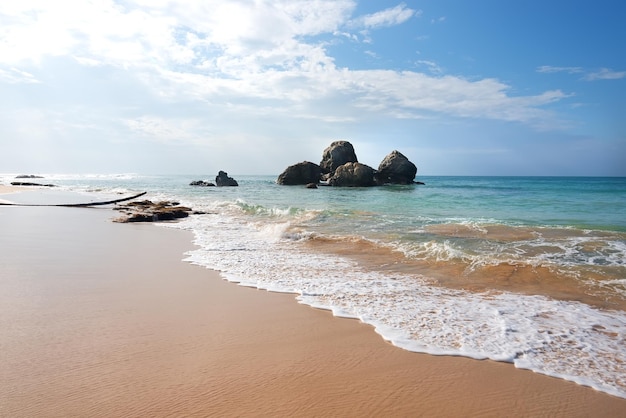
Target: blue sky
(481, 87)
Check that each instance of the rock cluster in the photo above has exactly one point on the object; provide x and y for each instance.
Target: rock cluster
(29, 183)
(148, 211)
(221, 180)
(340, 167)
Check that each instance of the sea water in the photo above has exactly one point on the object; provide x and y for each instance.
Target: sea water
(527, 270)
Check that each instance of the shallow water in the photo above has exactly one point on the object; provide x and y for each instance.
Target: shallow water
(525, 270)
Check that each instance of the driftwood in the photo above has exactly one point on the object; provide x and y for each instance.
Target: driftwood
(79, 205)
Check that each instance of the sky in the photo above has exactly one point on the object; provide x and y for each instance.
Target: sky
(484, 87)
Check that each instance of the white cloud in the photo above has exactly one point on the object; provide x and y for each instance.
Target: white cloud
(605, 74)
(418, 94)
(15, 76)
(163, 130)
(552, 69)
(241, 60)
(388, 17)
(433, 67)
(602, 74)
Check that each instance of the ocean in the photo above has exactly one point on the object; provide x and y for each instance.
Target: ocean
(526, 270)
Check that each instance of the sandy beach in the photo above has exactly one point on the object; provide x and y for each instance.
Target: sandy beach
(104, 319)
(4, 189)
(7, 189)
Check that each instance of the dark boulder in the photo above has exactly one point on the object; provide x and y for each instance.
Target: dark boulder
(302, 173)
(311, 186)
(353, 175)
(201, 183)
(395, 168)
(336, 155)
(222, 179)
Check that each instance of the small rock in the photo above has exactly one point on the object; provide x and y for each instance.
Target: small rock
(202, 183)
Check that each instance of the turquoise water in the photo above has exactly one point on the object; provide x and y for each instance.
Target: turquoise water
(527, 270)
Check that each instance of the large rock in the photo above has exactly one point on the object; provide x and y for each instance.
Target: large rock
(353, 174)
(395, 168)
(302, 173)
(222, 179)
(336, 155)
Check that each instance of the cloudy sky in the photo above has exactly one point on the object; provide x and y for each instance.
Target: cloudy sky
(485, 87)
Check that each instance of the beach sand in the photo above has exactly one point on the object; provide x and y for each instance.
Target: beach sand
(7, 189)
(4, 189)
(104, 319)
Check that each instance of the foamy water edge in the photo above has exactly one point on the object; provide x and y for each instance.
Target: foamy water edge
(567, 340)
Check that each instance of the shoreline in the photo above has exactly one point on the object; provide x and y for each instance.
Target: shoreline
(106, 319)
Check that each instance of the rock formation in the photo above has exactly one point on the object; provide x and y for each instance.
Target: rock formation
(340, 167)
(395, 168)
(302, 173)
(337, 154)
(148, 211)
(353, 175)
(222, 179)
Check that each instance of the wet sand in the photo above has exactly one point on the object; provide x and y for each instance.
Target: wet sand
(104, 319)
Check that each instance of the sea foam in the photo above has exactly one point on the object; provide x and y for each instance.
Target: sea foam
(569, 340)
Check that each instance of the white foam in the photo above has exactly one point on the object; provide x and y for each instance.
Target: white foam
(568, 340)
